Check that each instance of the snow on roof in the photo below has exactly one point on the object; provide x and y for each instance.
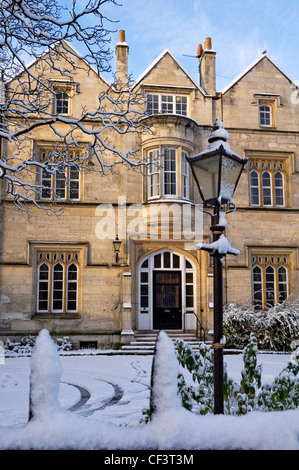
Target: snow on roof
(250, 67)
(156, 61)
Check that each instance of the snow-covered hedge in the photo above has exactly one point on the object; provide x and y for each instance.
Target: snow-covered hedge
(26, 345)
(275, 328)
(239, 399)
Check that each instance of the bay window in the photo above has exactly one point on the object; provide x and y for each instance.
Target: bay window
(166, 104)
(167, 173)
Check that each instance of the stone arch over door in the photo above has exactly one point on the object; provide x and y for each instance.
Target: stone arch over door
(166, 291)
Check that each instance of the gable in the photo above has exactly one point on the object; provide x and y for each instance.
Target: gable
(165, 71)
(262, 72)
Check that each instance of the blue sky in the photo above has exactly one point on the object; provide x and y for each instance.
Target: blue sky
(240, 31)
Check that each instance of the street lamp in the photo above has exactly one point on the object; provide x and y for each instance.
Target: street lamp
(216, 172)
(116, 246)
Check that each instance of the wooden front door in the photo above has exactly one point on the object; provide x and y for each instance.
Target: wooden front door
(167, 300)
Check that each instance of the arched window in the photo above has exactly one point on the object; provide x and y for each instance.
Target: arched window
(270, 286)
(267, 181)
(266, 188)
(282, 283)
(43, 288)
(269, 279)
(278, 189)
(254, 188)
(72, 288)
(257, 286)
(265, 115)
(57, 297)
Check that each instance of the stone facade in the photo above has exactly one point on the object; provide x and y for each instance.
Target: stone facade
(158, 217)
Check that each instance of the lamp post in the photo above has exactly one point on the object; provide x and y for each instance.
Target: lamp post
(216, 172)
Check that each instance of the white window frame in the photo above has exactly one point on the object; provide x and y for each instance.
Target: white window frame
(265, 114)
(64, 100)
(167, 103)
(170, 172)
(184, 174)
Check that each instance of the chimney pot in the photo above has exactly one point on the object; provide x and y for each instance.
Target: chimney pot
(208, 43)
(122, 36)
(199, 51)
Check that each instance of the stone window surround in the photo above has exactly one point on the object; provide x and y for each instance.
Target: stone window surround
(272, 100)
(287, 158)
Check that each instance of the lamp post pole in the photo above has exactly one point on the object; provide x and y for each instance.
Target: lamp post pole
(217, 230)
(216, 172)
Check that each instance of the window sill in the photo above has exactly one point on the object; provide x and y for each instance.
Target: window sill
(169, 199)
(57, 316)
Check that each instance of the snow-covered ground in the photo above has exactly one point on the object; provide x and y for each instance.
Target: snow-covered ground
(102, 398)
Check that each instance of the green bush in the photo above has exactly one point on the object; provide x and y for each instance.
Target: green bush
(239, 399)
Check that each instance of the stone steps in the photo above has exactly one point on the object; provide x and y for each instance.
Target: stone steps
(144, 343)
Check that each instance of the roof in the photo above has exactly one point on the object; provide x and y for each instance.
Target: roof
(68, 46)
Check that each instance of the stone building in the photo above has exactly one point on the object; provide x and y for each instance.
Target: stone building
(61, 272)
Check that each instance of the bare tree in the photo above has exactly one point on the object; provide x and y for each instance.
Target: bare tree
(45, 32)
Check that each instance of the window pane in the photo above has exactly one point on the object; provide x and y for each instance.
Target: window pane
(254, 188)
(282, 284)
(166, 259)
(265, 115)
(279, 192)
(170, 172)
(270, 287)
(58, 287)
(62, 103)
(266, 181)
(74, 183)
(43, 288)
(181, 105)
(175, 261)
(60, 181)
(157, 261)
(167, 104)
(152, 104)
(72, 275)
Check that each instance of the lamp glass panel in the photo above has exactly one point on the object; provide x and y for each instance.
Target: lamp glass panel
(230, 171)
(207, 174)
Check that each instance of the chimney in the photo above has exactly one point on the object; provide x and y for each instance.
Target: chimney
(122, 52)
(207, 69)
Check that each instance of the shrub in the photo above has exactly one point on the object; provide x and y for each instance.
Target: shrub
(275, 328)
(26, 344)
(248, 395)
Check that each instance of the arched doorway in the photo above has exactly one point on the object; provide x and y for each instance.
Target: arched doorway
(166, 291)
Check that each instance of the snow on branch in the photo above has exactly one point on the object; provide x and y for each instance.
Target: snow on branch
(36, 40)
